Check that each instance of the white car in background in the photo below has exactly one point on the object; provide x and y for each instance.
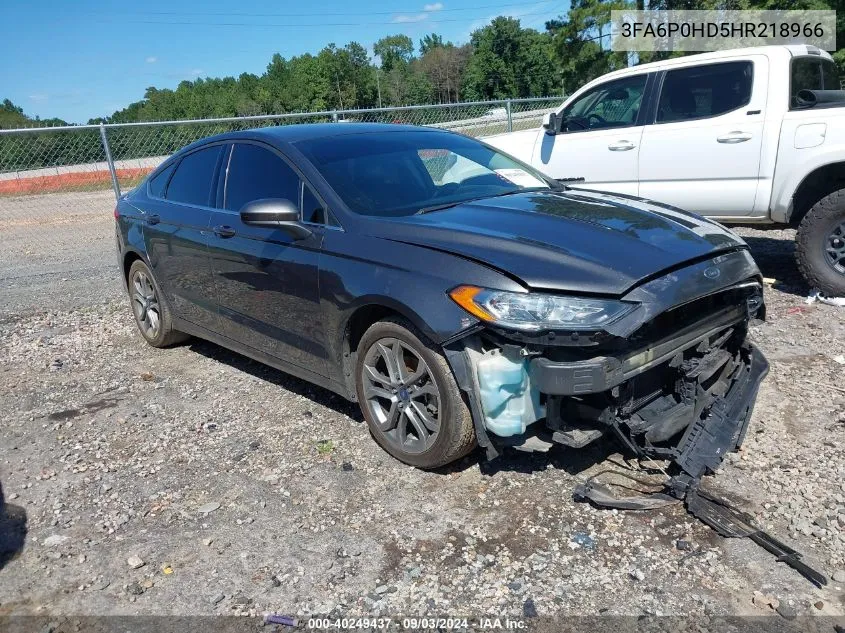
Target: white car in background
(748, 136)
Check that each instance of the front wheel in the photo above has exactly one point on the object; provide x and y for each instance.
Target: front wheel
(821, 245)
(409, 396)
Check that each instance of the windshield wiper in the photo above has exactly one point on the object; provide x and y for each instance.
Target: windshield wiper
(449, 205)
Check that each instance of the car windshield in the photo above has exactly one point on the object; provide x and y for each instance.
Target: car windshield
(399, 173)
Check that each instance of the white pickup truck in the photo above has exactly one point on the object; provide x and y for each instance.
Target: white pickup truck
(749, 136)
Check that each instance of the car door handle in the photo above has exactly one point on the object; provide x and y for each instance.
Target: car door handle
(224, 231)
(621, 146)
(735, 137)
(154, 218)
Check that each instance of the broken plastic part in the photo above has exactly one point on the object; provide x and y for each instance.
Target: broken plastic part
(716, 513)
(733, 523)
(509, 400)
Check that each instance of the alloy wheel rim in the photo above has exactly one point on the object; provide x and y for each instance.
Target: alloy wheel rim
(401, 395)
(834, 248)
(145, 304)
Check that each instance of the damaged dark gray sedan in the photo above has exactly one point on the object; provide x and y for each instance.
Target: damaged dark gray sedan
(459, 296)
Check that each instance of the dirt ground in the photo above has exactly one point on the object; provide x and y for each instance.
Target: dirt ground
(194, 481)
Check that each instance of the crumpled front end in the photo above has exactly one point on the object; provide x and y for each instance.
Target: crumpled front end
(678, 381)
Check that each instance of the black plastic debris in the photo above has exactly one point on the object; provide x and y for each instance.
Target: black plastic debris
(721, 516)
(733, 523)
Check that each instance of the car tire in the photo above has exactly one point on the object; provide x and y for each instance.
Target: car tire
(821, 245)
(150, 308)
(401, 410)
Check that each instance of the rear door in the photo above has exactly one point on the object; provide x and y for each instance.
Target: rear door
(176, 215)
(702, 152)
(600, 139)
(267, 280)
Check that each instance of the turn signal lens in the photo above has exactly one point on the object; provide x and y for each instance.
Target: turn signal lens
(464, 296)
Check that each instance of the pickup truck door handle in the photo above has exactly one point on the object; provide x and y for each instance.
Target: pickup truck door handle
(153, 218)
(734, 137)
(621, 146)
(224, 231)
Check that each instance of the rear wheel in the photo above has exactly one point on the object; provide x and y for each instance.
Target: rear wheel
(150, 308)
(821, 245)
(409, 396)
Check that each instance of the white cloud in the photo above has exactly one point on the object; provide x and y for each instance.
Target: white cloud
(436, 6)
(39, 97)
(151, 59)
(409, 19)
(196, 72)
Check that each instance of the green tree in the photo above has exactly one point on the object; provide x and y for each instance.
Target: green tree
(581, 42)
(429, 42)
(395, 51)
(509, 61)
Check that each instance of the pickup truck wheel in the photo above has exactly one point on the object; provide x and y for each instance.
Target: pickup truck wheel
(821, 245)
(409, 396)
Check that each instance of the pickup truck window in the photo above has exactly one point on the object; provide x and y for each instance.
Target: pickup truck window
(812, 73)
(699, 92)
(612, 104)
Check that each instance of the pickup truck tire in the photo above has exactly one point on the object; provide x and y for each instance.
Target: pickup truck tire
(819, 231)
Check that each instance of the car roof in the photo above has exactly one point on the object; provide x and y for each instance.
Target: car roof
(293, 133)
(794, 50)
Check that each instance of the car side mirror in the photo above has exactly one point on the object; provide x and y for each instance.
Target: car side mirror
(274, 213)
(552, 123)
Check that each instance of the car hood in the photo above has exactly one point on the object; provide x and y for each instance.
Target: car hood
(573, 241)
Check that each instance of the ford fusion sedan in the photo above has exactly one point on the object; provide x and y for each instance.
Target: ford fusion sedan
(460, 297)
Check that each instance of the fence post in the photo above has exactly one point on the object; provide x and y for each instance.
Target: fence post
(334, 117)
(510, 115)
(115, 185)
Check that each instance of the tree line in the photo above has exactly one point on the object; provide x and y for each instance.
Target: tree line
(501, 60)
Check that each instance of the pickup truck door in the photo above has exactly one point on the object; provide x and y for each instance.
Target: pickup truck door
(701, 151)
(600, 137)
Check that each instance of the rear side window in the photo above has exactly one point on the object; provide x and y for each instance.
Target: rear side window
(158, 183)
(705, 91)
(255, 173)
(191, 184)
(812, 73)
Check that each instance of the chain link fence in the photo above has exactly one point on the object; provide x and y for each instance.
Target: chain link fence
(58, 185)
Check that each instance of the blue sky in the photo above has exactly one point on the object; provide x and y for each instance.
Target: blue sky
(87, 58)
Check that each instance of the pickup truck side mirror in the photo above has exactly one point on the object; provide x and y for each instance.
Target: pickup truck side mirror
(552, 123)
(274, 213)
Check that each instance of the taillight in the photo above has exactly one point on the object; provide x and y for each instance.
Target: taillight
(116, 213)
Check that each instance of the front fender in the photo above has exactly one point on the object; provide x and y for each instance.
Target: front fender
(413, 281)
(793, 172)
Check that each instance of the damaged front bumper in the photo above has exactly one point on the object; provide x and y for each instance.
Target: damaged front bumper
(680, 388)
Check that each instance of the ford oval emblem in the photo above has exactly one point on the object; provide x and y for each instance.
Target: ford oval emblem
(712, 272)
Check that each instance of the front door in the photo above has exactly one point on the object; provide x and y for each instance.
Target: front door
(600, 137)
(266, 279)
(702, 152)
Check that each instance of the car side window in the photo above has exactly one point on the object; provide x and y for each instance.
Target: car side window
(313, 211)
(812, 73)
(158, 183)
(191, 183)
(608, 105)
(706, 91)
(254, 173)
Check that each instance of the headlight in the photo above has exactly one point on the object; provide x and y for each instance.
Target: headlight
(534, 311)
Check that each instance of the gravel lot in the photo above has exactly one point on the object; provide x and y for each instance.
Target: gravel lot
(194, 481)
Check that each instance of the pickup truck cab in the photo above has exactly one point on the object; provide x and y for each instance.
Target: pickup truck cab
(746, 136)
